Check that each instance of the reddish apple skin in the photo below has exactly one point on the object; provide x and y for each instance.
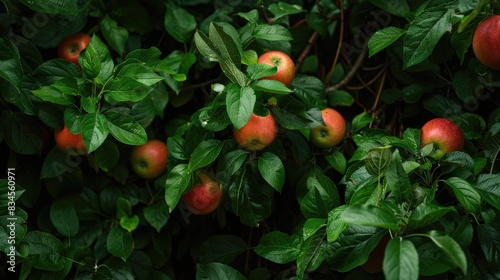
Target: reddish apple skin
(149, 160)
(444, 134)
(258, 133)
(70, 47)
(332, 134)
(285, 65)
(205, 198)
(486, 42)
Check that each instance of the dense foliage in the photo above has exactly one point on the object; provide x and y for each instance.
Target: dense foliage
(186, 73)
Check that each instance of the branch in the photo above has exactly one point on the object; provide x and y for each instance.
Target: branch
(354, 69)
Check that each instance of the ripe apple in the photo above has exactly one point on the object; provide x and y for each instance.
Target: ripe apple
(485, 42)
(258, 133)
(149, 160)
(203, 198)
(285, 65)
(376, 258)
(68, 142)
(332, 134)
(69, 47)
(444, 134)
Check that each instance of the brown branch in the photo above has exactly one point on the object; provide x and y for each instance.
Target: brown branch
(339, 47)
(306, 51)
(354, 70)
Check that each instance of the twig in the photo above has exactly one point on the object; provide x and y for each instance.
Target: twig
(339, 47)
(306, 51)
(354, 70)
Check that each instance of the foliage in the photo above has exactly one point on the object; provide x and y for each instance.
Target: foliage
(186, 72)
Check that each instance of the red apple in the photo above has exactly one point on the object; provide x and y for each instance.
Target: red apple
(69, 47)
(332, 134)
(444, 134)
(285, 65)
(68, 142)
(258, 133)
(203, 198)
(486, 41)
(149, 160)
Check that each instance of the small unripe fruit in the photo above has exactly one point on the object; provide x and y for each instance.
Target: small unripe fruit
(258, 133)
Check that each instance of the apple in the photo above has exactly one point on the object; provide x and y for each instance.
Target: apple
(285, 65)
(203, 198)
(68, 142)
(149, 160)
(444, 134)
(485, 42)
(376, 258)
(258, 133)
(332, 134)
(69, 47)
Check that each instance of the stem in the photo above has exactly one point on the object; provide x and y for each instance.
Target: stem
(341, 38)
(354, 70)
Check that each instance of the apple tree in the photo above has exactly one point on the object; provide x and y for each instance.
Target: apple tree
(378, 204)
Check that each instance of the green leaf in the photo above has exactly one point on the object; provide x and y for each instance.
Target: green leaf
(400, 260)
(240, 103)
(46, 252)
(424, 33)
(425, 214)
(489, 240)
(311, 226)
(312, 254)
(140, 73)
(250, 199)
(96, 60)
(157, 214)
(310, 90)
(465, 193)
(321, 197)
(64, 218)
(272, 170)
(334, 225)
(384, 38)
(205, 153)
(129, 223)
(10, 63)
(260, 70)
(293, 115)
(221, 248)
(369, 215)
(231, 163)
(278, 247)
(61, 92)
(9, 192)
(397, 180)
(274, 32)
(69, 7)
(115, 35)
(21, 132)
(337, 160)
(397, 8)
(126, 89)
(488, 185)
(125, 128)
(178, 180)
(120, 243)
(179, 62)
(282, 9)
(225, 38)
(217, 271)
(340, 98)
(378, 160)
(94, 131)
(361, 120)
(452, 249)
(179, 23)
(271, 86)
(107, 156)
